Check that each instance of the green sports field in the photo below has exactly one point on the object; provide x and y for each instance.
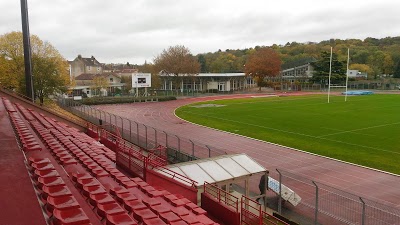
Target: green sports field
(364, 130)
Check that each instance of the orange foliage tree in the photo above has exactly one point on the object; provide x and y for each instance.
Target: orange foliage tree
(265, 62)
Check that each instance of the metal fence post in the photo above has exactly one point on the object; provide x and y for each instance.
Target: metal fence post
(145, 128)
(280, 192)
(137, 132)
(166, 139)
(122, 127)
(192, 148)
(316, 203)
(363, 212)
(155, 137)
(209, 151)
(115, 121)
(179, 142)
(130, 130)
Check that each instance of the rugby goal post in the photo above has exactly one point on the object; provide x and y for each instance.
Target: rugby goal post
(338, 86)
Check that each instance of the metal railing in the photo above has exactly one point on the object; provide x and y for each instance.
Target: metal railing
(141, 134)
(321, 204)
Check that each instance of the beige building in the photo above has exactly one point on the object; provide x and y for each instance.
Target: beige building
(86, 87)
(82, 65)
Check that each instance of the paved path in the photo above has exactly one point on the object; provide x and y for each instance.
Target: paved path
(364, 182)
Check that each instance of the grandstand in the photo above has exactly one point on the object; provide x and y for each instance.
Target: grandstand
(58, 171)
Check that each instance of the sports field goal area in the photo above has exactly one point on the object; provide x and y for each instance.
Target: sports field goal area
(363, 130)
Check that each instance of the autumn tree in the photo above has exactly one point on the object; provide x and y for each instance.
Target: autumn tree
(49, 68)
(177, 61)
(362, 68)
(262, 63)
(99, 83)
(321, 69)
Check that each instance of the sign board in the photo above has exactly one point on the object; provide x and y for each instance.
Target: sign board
(141, 80)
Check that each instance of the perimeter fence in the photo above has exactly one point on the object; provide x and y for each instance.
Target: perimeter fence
(147, 137)
(320, 203)
(324, 204)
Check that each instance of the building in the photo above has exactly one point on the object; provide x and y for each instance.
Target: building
(86, 85)
(82, 65)
(301, 73)
(207, 82)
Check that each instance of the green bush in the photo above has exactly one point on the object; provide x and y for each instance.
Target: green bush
(119, 100)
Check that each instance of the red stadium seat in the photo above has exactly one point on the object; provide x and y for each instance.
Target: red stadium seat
(93, 190)
(70, 217)
(61, 202)
(180, 211)
(154, 221)
(162, 208)
(94, 200)
(50, 181)
(134, 205)
(120, 219)
(118, 189)
(122, 197)
(55, 191)
(169, 217)
(143, 214)
(109, 209)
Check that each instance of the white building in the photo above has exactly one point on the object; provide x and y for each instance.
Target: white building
(216, 82)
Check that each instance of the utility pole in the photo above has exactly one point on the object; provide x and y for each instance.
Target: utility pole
(27, 50)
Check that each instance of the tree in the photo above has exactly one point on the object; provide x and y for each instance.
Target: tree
(362, 68)
(177, 60)
(321, 69)
(99, 83)
(264, 62)
(396, 73)
(49, 68)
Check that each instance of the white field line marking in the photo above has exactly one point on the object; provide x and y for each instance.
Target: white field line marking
(296, 133)
(364, 128)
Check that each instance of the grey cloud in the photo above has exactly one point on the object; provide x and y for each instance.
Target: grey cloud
(134, 31)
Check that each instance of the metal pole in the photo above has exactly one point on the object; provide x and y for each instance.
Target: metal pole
(316, 203)
(192, 148)
(209, 151)
(122, 127)
(280, 192)
(130, 130)
(155, 136)
(330, 73)
(363, 212)
(347, 73)
(145, 128)
(27, 51)
(137, 132)
(179, 143)
(166, 139)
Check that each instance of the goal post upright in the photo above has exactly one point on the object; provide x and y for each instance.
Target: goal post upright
(330, 74)
(347, 73)
(329, 79)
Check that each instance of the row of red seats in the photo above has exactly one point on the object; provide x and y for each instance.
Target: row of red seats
(59, 202)
(138, 200)
(26, 139)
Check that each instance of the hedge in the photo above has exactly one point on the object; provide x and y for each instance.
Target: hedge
(119, 100)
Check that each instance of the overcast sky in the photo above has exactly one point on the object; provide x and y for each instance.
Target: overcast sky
(121, 31)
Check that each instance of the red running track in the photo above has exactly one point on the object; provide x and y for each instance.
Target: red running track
(371, 184)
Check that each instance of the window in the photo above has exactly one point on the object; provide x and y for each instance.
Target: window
(89, 68)
(111, 79)
(88, 92)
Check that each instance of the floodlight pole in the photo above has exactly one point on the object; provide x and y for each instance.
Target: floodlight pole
(347, 73)
(329, 80)
(27, 50)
